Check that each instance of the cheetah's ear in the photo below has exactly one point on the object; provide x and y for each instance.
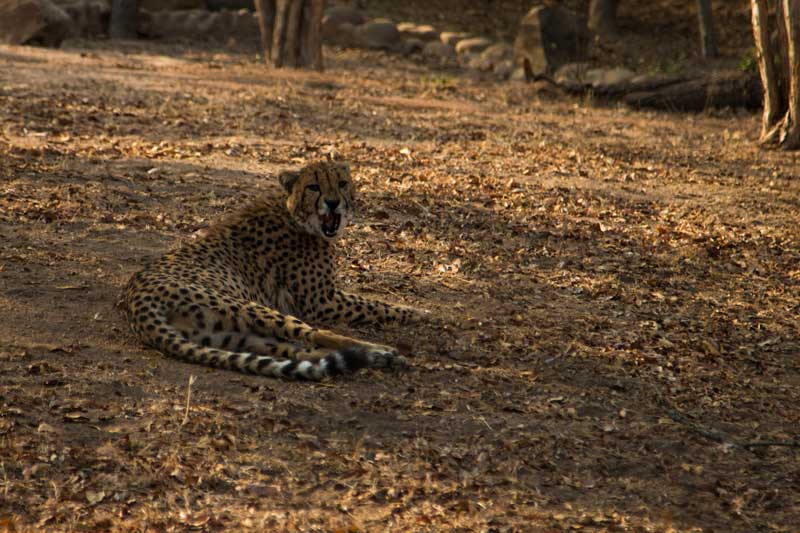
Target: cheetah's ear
(288, 178)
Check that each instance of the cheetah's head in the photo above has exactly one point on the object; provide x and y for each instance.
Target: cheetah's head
(320, 197)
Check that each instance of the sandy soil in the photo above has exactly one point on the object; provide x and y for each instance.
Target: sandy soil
(621, 294)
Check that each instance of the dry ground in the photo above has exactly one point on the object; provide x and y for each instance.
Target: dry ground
(620, 292)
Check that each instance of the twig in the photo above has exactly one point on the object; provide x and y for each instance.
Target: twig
(710, 433)
(192, 379)
(757, 443)
(715, 434)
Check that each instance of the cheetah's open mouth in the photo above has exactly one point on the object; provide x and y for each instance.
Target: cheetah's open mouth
(330, 223)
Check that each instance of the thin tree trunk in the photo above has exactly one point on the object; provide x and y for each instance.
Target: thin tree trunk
(311, 42)
(122, 24)
(265, 9)
(293, 29)
(790, 130)
(766, 68)
(603, 18)
(279, 32)
(779, 49)
(708, 40)
(291, 32)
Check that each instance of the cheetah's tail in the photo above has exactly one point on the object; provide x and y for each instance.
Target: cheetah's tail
(174, 343)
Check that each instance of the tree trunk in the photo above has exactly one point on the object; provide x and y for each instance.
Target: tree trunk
(779, 122)
(780, 60)
(708, 41)
(265, 11)
(766, 67)
(123, 19)
(790, 131)
(291, 32)
(603, 18)
(311, 41)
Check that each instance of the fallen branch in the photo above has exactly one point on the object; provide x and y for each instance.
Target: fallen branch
(717, 435)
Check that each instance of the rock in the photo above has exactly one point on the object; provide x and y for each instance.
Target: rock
(579, 76)
(340, 14)
(200, 24)
(423, 32)
(465, 59)
(497, 52)
(548, 37)
(571, 74)
(231, 5)
(171, 5)
(343, 36)
(378, 35)
(411, 46)
(504, 68)
(90, 17)
(604, 77)
(244, 27)
(473, 45)
(518, 74)
(34, 21)
(439, 50)
(452, 38)
(335, 18)
(477, 62)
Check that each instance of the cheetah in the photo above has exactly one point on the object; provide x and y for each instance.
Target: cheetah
(241, 296)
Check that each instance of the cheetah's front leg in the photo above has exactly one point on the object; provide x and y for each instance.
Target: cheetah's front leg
(354, 309)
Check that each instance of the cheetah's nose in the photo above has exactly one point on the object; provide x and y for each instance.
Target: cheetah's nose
(332, 205)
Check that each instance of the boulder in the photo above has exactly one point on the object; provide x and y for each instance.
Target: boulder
(497, 52)
(473, 45)
(34, 21)
(90, 17)
(335, 18)
(245, 26)
(171, 5)
(451, 37)
(577, 76)
(423, 32)
(200, 24)
(232, 5)
(342, 35)
(378, 35)
(477, 62)
(606, 77)
(340, 14)
(518, 74)
(503, 69)
(411, 46)
(571, 74)
(439, 50)
(549, 36)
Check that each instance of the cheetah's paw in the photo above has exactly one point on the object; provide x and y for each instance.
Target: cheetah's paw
(386, 357)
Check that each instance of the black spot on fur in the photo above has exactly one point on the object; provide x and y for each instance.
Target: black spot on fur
(354, 359)
(263, 362)
(288, 369)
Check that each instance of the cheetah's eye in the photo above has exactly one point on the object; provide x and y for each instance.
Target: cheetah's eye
(342, 184)
(313, 187)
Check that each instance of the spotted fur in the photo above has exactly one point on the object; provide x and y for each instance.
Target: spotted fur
(239, 296)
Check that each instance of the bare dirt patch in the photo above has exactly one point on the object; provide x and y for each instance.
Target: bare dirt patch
(622, 293)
